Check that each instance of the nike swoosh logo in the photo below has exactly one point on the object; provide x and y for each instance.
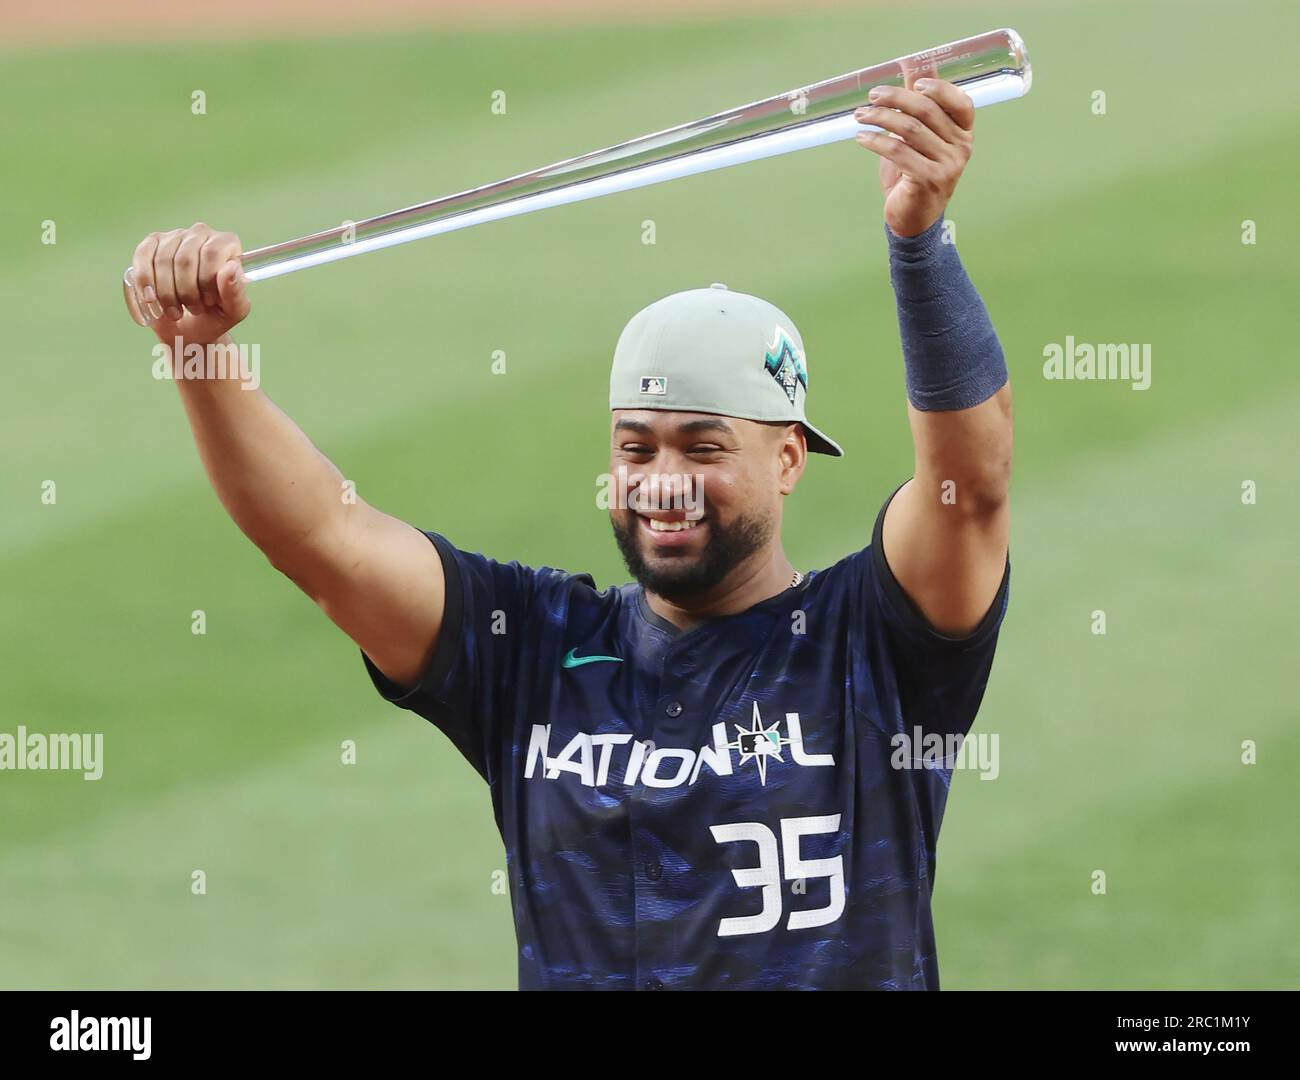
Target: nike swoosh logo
(573, 660)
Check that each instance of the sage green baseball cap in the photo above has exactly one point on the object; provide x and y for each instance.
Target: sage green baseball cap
(715, 351)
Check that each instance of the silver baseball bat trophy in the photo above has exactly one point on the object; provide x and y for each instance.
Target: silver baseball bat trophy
(989, 67)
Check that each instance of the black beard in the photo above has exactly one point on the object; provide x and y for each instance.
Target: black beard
(726, 549)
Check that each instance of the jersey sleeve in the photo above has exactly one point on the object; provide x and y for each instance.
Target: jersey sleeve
(493, 614)
(937, 681)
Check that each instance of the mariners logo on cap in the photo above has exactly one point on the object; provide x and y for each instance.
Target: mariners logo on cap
(785, 364)
(654, 384)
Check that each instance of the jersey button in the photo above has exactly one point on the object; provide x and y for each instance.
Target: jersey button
(654, 871)
(653, 984)
(674, 708)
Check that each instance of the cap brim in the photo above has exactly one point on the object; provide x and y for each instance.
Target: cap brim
(819, 443)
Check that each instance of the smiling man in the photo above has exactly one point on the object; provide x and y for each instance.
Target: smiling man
(694, 774)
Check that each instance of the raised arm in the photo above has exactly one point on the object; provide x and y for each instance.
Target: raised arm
(377, 578)
(945, 533)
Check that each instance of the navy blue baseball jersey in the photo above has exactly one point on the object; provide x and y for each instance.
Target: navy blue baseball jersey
(720, 807)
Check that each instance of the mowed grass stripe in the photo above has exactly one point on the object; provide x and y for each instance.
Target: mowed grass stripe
(379, 874)
(1200, 886)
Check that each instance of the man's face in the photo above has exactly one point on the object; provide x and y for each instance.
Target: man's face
(704, 495)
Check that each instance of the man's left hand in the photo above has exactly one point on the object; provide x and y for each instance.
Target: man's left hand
(920, 168)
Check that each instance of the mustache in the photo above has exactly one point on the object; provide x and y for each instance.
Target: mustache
(638, 491)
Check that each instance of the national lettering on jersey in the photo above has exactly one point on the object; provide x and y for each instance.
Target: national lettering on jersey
(713, 808)
(633, 761)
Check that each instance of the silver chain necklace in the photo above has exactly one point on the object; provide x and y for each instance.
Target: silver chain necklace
(798, 577)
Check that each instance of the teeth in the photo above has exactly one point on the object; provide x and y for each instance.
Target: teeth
(670, 526)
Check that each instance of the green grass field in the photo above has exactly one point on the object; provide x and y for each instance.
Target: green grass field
(1119, 753)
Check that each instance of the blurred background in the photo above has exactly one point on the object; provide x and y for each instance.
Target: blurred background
(1120, 752)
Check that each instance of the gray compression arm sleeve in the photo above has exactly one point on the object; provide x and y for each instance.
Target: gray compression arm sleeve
(951, 353)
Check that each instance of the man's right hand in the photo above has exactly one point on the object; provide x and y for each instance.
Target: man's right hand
(377, 578)
(188, 283)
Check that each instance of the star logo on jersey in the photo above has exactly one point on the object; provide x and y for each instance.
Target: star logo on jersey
(759, 743)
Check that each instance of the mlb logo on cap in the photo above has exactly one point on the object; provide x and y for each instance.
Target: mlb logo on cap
(654, 384)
